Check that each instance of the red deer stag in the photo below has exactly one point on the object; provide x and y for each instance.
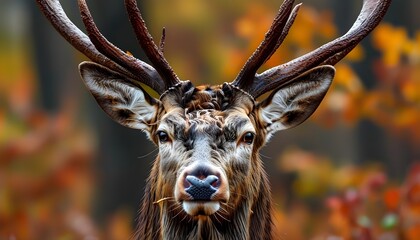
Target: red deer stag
(208, 181)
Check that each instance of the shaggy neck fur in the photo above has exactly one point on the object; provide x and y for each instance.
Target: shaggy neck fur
(250, 220)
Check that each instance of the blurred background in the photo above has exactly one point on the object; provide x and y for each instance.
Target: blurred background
(352, 171)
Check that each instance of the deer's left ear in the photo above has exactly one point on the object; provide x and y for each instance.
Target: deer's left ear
(293, 103)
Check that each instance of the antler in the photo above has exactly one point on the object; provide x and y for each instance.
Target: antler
(273, 39)
(329, 54)
(154, 54)
(98, 49)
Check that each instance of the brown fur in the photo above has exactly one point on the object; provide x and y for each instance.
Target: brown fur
(247, 215)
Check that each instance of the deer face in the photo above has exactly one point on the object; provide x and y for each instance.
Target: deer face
(206, 154)
(208, 137)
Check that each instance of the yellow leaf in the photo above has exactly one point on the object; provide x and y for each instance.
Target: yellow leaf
(347, 78)
(391, 41)
(356, 54)
(411, 90)
(326, 25)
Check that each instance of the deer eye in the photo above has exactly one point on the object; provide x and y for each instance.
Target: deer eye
(163, 136)
(248, 138)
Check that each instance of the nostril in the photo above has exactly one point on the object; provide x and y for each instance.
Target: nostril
(187, 184)
(213, 181)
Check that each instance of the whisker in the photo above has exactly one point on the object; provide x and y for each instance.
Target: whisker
(184, 217)
(179, 212)
(190, 219)
(223, 210)
(175, 208)
(266, 156)
(215, 217)
(150, 153)
(220, 215)
(227, 205)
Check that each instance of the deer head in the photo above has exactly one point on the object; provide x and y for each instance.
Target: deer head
(208, 180)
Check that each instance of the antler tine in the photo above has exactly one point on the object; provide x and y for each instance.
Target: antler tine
(146, 42)
(273, 39)
(55, 14)
(114, 53)
(371, 14)
(57, 17)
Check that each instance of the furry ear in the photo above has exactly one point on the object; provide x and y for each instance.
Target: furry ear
(125, 103)
(293, 103)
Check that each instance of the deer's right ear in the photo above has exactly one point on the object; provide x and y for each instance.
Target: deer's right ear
(125, 103)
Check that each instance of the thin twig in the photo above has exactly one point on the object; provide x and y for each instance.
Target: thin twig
(161, 200)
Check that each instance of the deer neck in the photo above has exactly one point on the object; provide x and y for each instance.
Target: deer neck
(251, 218)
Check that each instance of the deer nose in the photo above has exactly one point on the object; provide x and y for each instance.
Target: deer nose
(201, 189)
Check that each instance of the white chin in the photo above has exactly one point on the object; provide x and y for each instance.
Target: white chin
(196, 208)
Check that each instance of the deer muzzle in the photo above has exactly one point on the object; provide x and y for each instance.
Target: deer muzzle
(201, 188)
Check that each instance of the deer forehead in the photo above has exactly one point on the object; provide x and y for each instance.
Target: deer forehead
(207, 123)
(210, 110)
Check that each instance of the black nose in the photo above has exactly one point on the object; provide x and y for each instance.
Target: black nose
(202, 189)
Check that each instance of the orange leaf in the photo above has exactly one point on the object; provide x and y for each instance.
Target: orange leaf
(392, 198)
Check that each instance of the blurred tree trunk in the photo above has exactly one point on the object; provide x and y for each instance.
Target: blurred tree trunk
(375, 142)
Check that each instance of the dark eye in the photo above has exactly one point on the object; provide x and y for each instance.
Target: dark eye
(163, 136)
(248, 138)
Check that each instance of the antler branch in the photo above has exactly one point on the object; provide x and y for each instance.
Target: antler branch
(57, 17)
(98, 49)
(371, 14)
(113, 52)
(150, 48)
(273, 39)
